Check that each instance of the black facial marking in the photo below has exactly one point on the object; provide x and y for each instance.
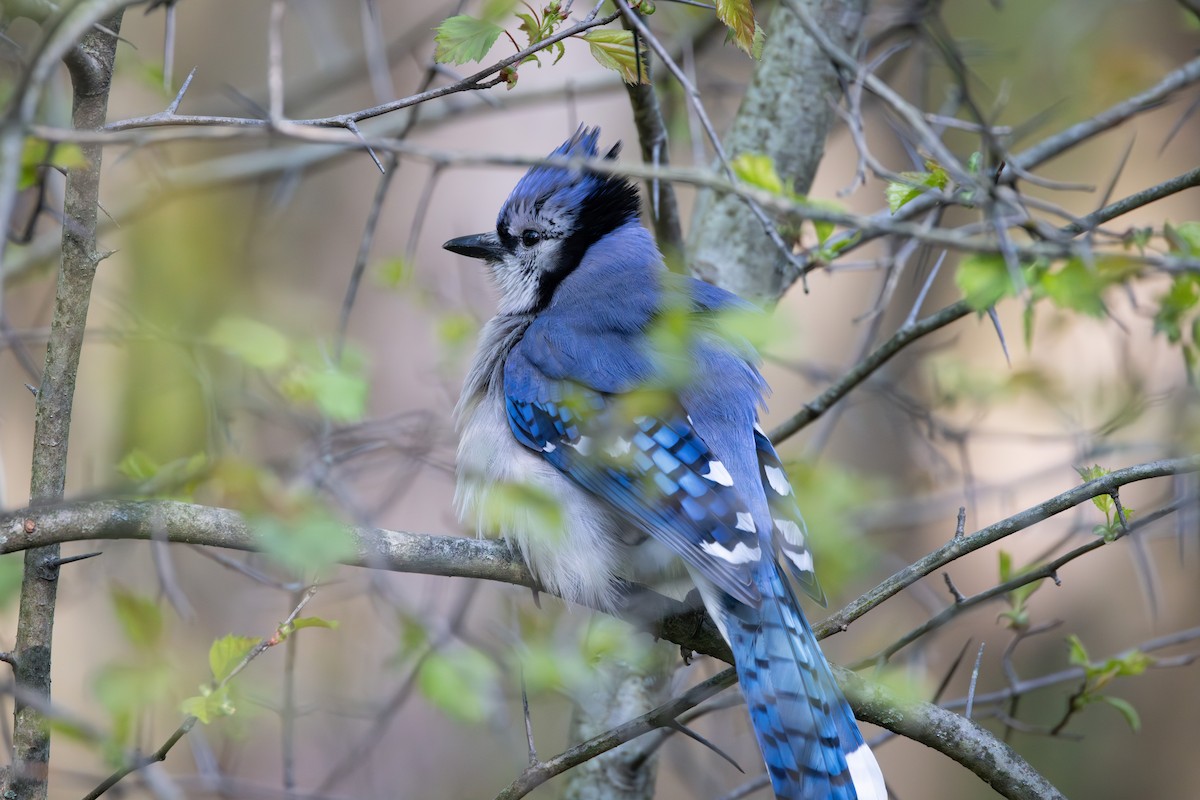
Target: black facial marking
(612, 203)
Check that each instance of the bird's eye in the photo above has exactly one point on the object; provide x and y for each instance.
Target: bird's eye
(530, 237)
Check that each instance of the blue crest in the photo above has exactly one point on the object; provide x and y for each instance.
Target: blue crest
(564, 194)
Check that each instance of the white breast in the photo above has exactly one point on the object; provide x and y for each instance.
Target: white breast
(571, 542)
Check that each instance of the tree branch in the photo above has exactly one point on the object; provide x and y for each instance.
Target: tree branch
(91, 74)
(786, 115)
(907, 334)
(492, 560)
(960, 546)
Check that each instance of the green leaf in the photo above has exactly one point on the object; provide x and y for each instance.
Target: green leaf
(209, 704)
(1181, 298)
(394, 273)
(140, 617)
(339, 391)
(900, 193)
(138, 465)
(551, 666)
(315, 622)
(1017, 615)
(738, 16)
(12, 571)
(339, 395)
(37, 153)
(497, 10)
(1077, 654)
(758, 170)
(1006, 571)
(258, 345)
(1183, 238)
(463, 38)
(1076, 287)
(227, 652)
(523, 506)
(456, 330)
(124, 688)
(307, 542)
(1093, 472)
(823, 228)
(1132, 664)
(462, 684)
(306, 622)
(760, 329)
(1126, 708)
(831, 499)
(1102, 501)
(615, 49)
(984, 280)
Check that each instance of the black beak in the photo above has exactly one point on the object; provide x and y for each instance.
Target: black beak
(481, 245)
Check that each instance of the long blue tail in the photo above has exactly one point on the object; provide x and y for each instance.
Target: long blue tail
(805, 729)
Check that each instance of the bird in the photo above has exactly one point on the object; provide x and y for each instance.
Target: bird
(603, 448)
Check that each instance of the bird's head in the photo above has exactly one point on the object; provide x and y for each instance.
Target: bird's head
(547, 224)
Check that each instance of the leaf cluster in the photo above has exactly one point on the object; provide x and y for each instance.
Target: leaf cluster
(463, 38)
(1017, 615)
(1116, 519)
(1097, 677)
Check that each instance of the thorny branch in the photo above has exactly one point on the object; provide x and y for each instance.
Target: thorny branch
(214, 526)
(492, 560)
(190, 721)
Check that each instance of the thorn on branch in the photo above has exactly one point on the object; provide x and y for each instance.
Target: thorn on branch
(533, 756)
(974, 681)
(8, 657)
(960, 527)
(353, 128)
(679, 727)
(33, 390)
(958, 596)
(55, 563)
(171, 109)
(1115, 495)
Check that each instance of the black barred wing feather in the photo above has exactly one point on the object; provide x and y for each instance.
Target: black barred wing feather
(789, 534)
(655, 469)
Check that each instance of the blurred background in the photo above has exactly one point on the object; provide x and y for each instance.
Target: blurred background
(214, 339)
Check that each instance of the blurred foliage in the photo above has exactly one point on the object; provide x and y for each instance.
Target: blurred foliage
(959, 382)
(141, 678)
(184, 273)
(830, 497)
(1071, 285)
(522, 506)
(12, 571)
(462, 681)
(38, 155)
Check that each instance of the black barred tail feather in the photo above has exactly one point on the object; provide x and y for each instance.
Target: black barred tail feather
(808, 736)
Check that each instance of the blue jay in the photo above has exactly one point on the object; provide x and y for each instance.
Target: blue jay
(652, 452)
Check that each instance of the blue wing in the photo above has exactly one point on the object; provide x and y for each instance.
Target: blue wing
(654, 467)
(789, 533)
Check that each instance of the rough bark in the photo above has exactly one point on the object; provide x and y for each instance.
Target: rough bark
(786, 114)
(90, 64)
